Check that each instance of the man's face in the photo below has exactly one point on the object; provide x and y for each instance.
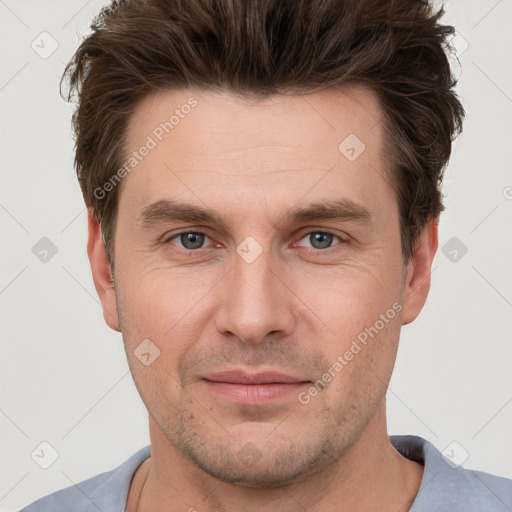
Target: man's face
(262, 288)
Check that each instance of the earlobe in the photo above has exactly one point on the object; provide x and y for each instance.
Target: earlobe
(419, 268)
(101, 272)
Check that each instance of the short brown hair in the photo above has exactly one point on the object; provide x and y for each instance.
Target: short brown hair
(260, 48)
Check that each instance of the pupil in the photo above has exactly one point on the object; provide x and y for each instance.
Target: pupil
(191, 240)
(321, 240)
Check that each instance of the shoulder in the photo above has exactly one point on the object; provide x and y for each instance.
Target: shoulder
(106, 492)
(447, 485)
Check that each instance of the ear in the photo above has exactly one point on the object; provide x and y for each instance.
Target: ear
(101, 273)
(419, 268)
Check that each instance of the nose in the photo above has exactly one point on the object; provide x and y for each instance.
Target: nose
(255, 301)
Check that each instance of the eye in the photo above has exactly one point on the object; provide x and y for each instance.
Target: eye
(189, 240)
(320, 240)
(194, 240)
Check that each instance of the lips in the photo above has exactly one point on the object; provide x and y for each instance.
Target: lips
(253, 388)
(239, 377)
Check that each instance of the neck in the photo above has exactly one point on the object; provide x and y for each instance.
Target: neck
(371, 475)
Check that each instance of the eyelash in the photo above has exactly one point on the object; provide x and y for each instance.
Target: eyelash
(190, 251)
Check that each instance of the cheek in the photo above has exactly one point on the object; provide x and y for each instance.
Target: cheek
(351, 297)
(163, 315)
(156, 299)
(362, 363)
(157, 337)
(361, 306)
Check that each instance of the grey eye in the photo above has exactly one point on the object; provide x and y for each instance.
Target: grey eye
(320, 239)
(191, 240)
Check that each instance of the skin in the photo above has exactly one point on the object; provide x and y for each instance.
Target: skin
(294, 309)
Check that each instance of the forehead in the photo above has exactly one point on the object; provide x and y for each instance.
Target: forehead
(224, 146)
(219, 116)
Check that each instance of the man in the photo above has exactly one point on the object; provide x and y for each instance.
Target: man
(262, 181)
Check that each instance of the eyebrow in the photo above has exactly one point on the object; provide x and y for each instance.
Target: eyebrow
(170, 210)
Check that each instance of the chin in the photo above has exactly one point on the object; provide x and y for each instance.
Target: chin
(272, 467)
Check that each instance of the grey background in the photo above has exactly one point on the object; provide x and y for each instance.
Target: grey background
(65, 380)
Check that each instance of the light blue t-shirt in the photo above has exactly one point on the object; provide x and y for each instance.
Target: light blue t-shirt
(443, 488)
